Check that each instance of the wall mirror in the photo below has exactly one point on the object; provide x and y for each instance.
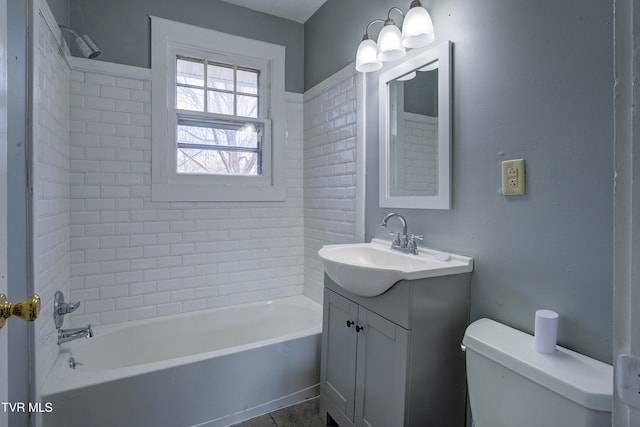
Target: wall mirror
(415, 131)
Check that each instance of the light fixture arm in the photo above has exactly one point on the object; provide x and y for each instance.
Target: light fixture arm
(367, 35)
(391, 21)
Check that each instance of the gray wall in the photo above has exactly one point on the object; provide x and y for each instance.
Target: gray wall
(531, 80)
(60, 10)
(121, 28)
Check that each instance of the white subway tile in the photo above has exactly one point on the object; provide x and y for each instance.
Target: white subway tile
(177, 253)
(115, 117)
(109, 317)
(101, 79)
(168, 309)
(137, 287)
(101, 306)
(156, 298)
(130, 83)
(194, 305)
(129, 302)
(87, 89)
(100, 103)
(112, 292)
(115, 92)
(143, 313)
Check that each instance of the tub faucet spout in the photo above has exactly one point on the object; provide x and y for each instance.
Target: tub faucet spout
(66, 335)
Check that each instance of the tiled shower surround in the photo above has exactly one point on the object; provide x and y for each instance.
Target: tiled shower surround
(50, 203)
(100, 238)
(134, 258)
(330, 132)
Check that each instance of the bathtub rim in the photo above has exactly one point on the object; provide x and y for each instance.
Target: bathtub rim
(61, 378)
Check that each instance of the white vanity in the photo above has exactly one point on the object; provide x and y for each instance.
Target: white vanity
(394, 359)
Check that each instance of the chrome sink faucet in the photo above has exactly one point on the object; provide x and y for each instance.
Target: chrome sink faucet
(404, 242)
(66, 335)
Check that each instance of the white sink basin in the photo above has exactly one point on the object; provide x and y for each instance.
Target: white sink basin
(369, 269)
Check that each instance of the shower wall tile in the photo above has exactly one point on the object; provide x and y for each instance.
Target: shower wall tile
(51, 180)
(329, 175)
(147, 258)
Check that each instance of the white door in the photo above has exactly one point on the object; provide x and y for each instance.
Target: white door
(4, 368)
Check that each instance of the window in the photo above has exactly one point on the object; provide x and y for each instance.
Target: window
(217, 118)
(224, 140)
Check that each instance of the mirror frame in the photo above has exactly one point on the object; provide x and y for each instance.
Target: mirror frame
(412, 61)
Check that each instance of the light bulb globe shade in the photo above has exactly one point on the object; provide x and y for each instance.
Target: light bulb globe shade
(417, 28)
(390, 44)
(366, 60)
(406, 77)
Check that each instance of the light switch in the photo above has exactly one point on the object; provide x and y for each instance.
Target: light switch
(513, 179)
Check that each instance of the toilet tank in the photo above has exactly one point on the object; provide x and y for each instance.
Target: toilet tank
(510, 384)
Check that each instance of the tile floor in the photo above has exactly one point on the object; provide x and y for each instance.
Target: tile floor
(303, 414)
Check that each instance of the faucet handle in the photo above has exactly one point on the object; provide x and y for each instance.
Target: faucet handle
(61, 308)
(412, 245)
(396, 241)
(66, 308)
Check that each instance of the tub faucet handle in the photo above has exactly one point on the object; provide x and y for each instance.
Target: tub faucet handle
(68, 307)
(61, 308)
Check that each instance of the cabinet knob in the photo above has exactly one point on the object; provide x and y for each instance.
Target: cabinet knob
(359, 328)
(349, 323)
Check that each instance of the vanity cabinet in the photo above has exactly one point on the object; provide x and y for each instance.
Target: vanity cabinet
(366, 362)
(394, 360)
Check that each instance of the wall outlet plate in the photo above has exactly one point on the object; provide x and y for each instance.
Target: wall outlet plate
(513, 177)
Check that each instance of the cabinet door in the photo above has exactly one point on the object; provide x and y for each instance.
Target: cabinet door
(382, 360)
(338, 370)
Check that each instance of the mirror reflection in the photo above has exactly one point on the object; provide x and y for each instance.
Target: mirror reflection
(413, 133)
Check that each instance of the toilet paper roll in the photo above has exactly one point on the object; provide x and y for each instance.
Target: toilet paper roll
(546, 331)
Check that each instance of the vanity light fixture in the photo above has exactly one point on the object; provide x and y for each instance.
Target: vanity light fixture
(367, 55)
(417, 27)
(417, 31)
(390, 46)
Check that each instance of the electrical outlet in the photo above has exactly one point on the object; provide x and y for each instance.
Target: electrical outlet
(513, 178)
(628, 379)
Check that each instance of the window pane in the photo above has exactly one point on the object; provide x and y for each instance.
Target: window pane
(247, 136)
(190, 98)
(203, 161)
(248, 82)
(247, 106)
(232, 136)
(220, 102)
(220, 77)
(190, 73)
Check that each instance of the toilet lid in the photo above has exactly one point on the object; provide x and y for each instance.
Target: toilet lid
(575, 376)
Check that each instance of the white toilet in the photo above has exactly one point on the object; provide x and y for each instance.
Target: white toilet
(512, 385)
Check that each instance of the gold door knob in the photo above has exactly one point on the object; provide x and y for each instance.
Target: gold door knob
(26, 309)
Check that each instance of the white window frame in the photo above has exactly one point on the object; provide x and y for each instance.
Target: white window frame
(171, 39)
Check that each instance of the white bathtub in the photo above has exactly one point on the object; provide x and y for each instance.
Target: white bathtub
(209, 368)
